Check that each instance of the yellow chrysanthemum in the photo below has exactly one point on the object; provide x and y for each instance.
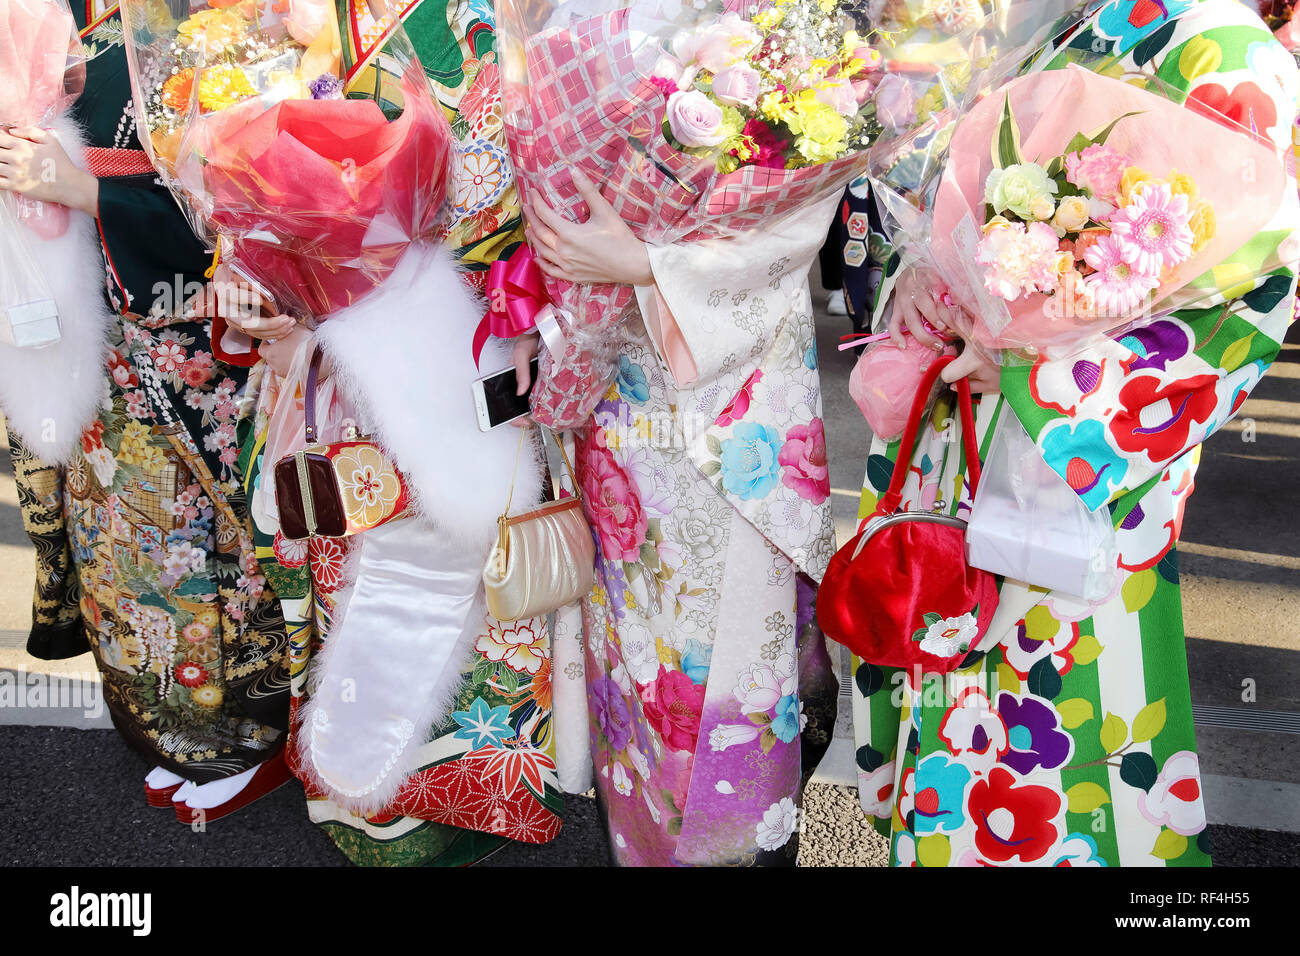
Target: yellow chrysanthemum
(207, 696)
(223, 86)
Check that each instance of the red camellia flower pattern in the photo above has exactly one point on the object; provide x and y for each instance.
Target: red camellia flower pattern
(612, 503)
(1247, 107)
(672, 705)
(803, 462)
(1157, 419)
(327, 562)
(1013, 821)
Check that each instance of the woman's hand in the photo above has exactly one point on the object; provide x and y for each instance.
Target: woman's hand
(984, 374)
(280, 352)
(34, 163)
(525, 350)
(917, 301)
(241, 306)
(602, 249)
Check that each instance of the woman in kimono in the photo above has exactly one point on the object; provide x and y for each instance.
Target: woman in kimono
(140, 532)
(484, 774)
(1070, 742)
(704, 477)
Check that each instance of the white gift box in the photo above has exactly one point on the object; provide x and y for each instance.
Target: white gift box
(31, 325)
(1028, 524)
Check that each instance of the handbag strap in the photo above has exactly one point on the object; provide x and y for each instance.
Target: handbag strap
(523, 433)
(309, 398)
(893, 498)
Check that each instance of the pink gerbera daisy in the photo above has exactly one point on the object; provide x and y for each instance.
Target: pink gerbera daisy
(1155, 227)
(1118, 286)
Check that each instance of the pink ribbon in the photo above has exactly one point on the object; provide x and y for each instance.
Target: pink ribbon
(516, 292)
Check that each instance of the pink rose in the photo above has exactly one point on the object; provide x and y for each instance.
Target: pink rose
(803, 460)
(612, 504)
(718, 45)
(838, 93)
(672, 706)
(1098, 169)
(737, 86)
(895, 104)
(695, 119)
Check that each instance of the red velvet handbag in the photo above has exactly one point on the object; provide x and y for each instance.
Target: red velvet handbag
(901, 593)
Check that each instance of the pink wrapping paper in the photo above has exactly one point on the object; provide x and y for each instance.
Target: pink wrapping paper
(1165, 136)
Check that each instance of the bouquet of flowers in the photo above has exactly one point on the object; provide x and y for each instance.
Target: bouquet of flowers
(1055, 228)
(42, 71)
(315, 169)
(697, 121)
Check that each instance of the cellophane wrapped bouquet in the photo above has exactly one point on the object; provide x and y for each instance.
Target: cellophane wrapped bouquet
(697, 121)
(315, 170)
(1054, 228)
(42, 71)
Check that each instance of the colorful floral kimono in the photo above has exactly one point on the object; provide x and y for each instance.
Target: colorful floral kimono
(1070, 743)
(485, 773)
(141, 540)
(710, 691)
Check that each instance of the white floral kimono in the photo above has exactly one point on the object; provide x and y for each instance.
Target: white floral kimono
(705, 479)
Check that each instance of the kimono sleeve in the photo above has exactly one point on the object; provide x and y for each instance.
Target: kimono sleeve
(1113, 418)
(716, 298)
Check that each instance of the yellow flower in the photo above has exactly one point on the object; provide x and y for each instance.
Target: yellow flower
(996, 223)
(826, 6)
(821, 131)
(223, 86)
(207, 696)
(1204, 225)
(769, 19)
(213, 30)
(1183, 185)
(1134, 179)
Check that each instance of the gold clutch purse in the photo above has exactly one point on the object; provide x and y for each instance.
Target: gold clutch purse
(544, 559)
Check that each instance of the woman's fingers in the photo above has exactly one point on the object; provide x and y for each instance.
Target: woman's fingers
(597, 205)
(972, 364)
(536, 229)
(896, 323)
(548, 217)
(525, 347)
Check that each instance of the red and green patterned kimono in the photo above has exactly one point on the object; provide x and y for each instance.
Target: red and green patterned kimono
(1071, 742)
(486, 772)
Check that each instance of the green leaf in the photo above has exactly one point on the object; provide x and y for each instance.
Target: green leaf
(1168, 566)
(482, 671)
(1151, 47)
(1008, 144)
(880, 470)
(1077, 144)
(1113, 733)
(713, 444)
(1044, 681)
(649, 556)
(1100, 138)
(711, 468)
(669, 802)
(1087, 649)
(1138, 590)
(508, 680)
(870, 759)
(1266, 298)
(1234, 356)
(931, 618)
(1149, 721)
(674, 827)
(1075, 712)
(1086, 797)
(1169, 845)
(759, 719)
(870, 679)
(767, 741)
(919, 634)
(1138, 770)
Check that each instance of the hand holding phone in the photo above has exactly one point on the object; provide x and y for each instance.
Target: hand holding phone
(495, 401)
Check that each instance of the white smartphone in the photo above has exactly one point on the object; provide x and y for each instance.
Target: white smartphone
(495, 401)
